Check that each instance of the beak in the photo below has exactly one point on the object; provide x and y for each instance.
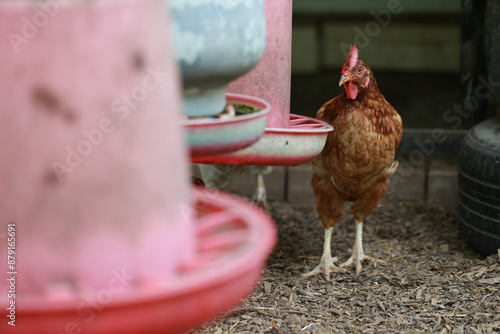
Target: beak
(345, 78)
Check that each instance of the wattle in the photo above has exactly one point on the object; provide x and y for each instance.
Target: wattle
(351, 90)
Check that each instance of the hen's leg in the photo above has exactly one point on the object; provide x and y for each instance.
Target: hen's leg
(260, 196)
(357, 251)
(361, 208)
(330, 207)
(326, 264)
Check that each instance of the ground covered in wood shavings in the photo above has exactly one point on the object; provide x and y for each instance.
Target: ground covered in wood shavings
(433, 281)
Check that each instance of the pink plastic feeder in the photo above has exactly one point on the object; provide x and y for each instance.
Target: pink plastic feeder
(288, 139)
(234, 239)
(109, 236)
(84, 171)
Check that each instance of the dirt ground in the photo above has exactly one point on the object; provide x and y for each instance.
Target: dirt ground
(433, 282)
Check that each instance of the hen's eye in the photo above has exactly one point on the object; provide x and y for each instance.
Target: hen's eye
(359, 70)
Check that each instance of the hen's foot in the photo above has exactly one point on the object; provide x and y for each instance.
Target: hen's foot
(356, 259)
(357, 252)
(325, 267)
(261, 201)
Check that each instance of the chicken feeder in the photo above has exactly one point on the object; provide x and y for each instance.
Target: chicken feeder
(212, 136)
(302, 141)
(233, 240)
(288, 139)
(105, 233)
(215, 42)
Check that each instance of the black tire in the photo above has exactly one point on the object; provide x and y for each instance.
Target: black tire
(479, 186)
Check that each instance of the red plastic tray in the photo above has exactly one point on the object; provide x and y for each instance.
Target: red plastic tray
(234, 240)
(302, 141)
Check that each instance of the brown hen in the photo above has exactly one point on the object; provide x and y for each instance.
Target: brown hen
(358, 157)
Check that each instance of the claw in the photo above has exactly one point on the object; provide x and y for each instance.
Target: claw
(326, 264)
(356, 261)
(357, 252)
(325, 267)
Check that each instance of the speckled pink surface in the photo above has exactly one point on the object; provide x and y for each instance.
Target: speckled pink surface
(93, 165)
(270, 79)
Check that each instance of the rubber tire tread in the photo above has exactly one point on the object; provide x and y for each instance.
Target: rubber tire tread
(479, 186)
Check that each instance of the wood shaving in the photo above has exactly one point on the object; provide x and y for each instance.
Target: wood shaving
(433, 281)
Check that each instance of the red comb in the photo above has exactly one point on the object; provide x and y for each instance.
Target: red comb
(352, 58)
